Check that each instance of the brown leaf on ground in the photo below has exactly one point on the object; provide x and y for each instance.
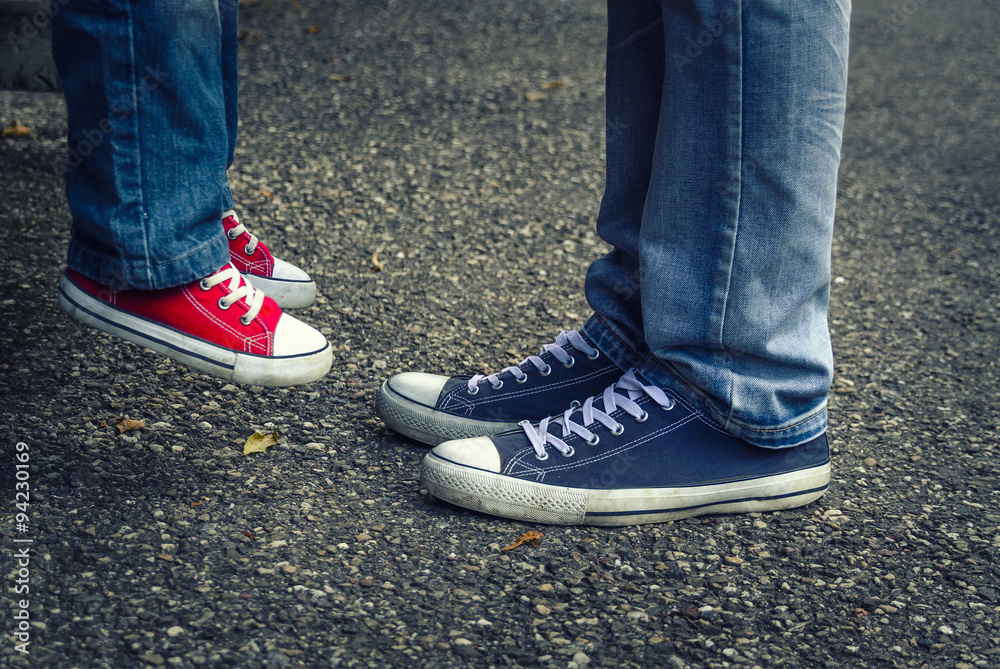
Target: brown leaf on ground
(258, 443)
(247, 37)
(553, 84)
(531, 537)
(124, 425)
(15, 129)
(535, 96)
(340, 77)
(377, 265)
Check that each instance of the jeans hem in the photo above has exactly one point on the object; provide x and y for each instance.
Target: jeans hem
(797, 430)
(110, 271)
(790, 433)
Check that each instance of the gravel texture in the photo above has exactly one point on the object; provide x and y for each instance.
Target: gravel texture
(391, 149)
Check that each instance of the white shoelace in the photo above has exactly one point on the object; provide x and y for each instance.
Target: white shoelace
(619, 395)
(239, 289)
(572, 337)
(233, 233)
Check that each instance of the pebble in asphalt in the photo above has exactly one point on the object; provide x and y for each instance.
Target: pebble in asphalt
(404, 130)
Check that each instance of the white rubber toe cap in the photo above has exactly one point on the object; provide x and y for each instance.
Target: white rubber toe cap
(478, 452)
(288, 272)
(293, 337)
(418, 386)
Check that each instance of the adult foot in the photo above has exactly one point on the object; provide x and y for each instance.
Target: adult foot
(632, 455)
(221, 325)
(432, 408)
(283, 282)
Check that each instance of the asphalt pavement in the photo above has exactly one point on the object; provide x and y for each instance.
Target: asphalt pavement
(438, 167)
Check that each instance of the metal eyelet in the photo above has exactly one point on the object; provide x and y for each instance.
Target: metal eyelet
(522, 379)
(575, 404)
(572, 361)
(619, 429)
(545, 456)
(223, 305)
(546, 371)
(498, 386)
(569, 454)
(248, 250)
(244, 321)
(596, 355)
(593, 442)
(641, 418)
(473, 392)
(231, 234)
(668, 408)
(203, 285)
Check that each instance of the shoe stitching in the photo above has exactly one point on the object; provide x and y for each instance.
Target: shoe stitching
(254, 339)
(464, 404)
(253, 266)
(222, 324)
(259, 267)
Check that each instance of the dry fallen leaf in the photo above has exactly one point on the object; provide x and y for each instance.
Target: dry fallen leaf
(530, 537)
(247, 37)
(313, 29)
(258, 443)
(553, 84)
(340, 77)
(377, 265)
(124, 425)
(15, 129)
(535, 96)
(266, 193)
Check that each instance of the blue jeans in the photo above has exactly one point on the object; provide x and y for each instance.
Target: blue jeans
(151, 99)
(724, 123)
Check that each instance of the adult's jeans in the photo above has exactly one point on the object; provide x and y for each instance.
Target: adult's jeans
(724, 123)
(151, 99)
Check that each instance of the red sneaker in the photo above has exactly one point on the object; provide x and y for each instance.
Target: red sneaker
(285, 283)
(220, 325)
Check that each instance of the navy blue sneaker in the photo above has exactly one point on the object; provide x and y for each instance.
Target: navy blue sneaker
(631, 455)
(432, 408)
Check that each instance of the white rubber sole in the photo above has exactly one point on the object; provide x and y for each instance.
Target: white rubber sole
(287, 293)
(533, 502)
(428, 425)
(216, 360)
